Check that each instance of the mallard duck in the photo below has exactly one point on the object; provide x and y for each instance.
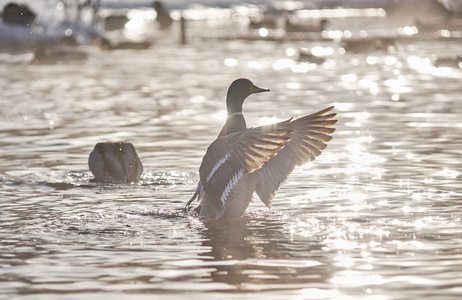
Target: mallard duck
(115, 162)
(244, 160)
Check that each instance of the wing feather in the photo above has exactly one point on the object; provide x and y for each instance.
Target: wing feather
(307, 139)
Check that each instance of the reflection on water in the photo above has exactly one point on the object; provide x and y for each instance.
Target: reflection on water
(258, 253)
(376, 216)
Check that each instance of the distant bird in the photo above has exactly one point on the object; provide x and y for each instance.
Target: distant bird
(449, 62)
(105, 44)
(18, 14)
(115, 22)
(368, 45)
(244, 160)
(58, 55)
(306, 56)
(265, 21)
(305, 27)
(115, 162)
(163, 16)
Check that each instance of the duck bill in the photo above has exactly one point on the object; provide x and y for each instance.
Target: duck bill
(255, 89)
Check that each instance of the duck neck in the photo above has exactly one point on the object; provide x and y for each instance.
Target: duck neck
(234, 107)
(234, 123)
(234, 100)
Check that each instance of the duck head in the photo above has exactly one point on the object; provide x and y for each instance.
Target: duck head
(239, 90)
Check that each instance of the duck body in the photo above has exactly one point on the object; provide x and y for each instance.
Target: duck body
(115, 162)
(244, 160)
(237, 200)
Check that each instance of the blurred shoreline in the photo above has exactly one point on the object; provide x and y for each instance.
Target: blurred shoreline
(61, 24)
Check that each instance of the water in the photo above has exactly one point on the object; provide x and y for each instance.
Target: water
(376, 216)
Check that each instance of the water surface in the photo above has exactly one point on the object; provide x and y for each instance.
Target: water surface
(376, 216)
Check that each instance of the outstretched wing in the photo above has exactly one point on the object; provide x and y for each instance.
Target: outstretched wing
(231, 156)
(309, 136)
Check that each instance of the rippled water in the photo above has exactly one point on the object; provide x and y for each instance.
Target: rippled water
(376, 216)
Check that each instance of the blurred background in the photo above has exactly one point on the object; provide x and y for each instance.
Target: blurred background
(376, 216)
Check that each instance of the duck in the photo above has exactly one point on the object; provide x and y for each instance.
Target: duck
(244, 160)
(115, 22)
(107, 45)
(265, 21)
(18, 14)
(115, 162)
(368, 45)
(449, 61)
(305, 55)
(290, 26)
